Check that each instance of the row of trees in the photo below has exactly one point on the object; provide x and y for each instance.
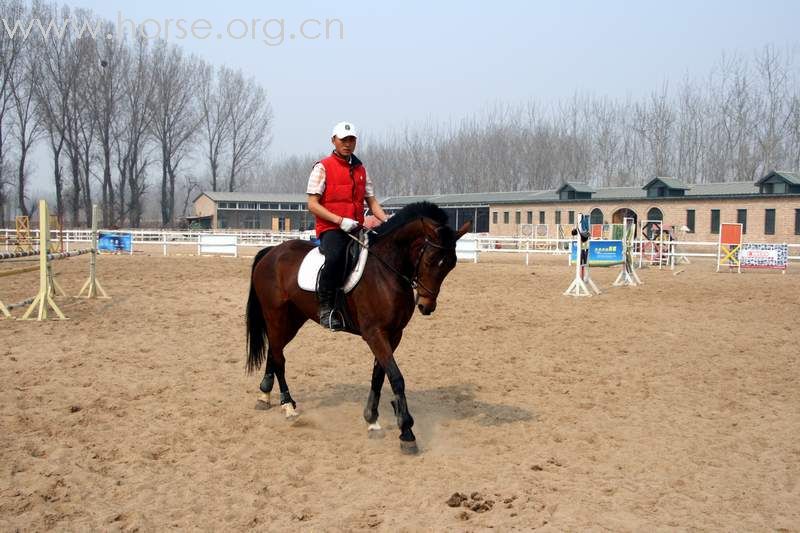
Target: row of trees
(118, 116)
(735, 125)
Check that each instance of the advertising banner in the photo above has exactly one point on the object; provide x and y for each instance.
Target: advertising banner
(601, 253)
(755, 255)
(114, 242)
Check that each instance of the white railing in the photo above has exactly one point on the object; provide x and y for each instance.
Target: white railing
(484, 243)
(165, 239)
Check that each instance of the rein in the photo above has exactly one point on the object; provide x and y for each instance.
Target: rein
(414, 281)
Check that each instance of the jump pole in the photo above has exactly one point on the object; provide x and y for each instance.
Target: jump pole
(44, 298)
(92, 285)
(628, 275)
(580, 285)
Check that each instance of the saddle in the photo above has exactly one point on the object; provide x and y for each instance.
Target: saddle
(308, 275)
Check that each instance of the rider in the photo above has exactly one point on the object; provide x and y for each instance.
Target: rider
(337, 188)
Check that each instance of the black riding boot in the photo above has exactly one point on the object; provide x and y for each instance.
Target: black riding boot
(329, 317)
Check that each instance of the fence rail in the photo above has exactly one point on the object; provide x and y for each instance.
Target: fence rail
(676, 250)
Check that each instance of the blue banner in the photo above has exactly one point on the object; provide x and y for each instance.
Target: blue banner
(114, 242)
(601, 253)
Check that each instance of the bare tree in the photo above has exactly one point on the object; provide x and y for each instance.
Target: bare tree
(131, 131)
(104, 101)
(10, 55)
(176, 117)
(27, 124)
(250, 122)
(215, 106)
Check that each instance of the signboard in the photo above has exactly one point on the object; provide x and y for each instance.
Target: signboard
(217, 244)
(755, 255)
(601, 253)
(114, 242)
(467, 248)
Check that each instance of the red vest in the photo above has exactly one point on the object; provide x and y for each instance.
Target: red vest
(345, 188)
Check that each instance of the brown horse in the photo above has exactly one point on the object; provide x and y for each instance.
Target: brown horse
(415, 249)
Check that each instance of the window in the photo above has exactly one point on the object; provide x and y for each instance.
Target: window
(494, 217)
(518, 217)
(741, 218)
(263, 206)
(558, 217)
(797, 221)
(690, 220)
(655, 214)
(530, 217)
(596, 216)
(769, 222)
(505, 217)
(274, 206)
(541, 217)
(571, 217)
(715, 221)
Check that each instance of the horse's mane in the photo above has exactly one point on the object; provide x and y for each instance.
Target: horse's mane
(410, 213)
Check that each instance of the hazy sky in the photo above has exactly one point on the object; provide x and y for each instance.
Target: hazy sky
(402, 63)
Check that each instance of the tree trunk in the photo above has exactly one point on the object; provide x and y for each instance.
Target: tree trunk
(76, 191)
(21, 181)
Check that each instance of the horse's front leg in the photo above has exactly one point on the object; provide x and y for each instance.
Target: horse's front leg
(373, 400)
(382, 349)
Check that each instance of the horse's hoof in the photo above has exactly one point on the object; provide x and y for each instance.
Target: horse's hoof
(261, 405)
(375, 431)
(289, 411)
(409, 447)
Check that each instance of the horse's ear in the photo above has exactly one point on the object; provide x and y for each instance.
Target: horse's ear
(465, 227)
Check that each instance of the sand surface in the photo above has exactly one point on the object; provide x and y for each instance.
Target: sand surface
(674, 405)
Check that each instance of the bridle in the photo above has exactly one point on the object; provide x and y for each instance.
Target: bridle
(413, 281)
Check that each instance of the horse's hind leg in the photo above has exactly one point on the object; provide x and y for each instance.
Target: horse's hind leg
(282, 329)
(267, 383)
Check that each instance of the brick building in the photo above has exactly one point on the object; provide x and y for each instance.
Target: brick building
(769, 208)
(235, 210)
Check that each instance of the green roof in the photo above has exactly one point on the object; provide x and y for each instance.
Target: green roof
(577, 187)
(790, 177)
(220, 196)
(729, 189)
(672, 183)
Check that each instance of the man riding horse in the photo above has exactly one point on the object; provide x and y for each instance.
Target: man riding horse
(337, 189)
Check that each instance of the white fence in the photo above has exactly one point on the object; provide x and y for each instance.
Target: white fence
(183, 242)
(473, 245)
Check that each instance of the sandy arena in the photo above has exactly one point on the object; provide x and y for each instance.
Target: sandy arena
(674, 405)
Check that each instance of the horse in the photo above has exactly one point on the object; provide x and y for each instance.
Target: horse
(413, 251)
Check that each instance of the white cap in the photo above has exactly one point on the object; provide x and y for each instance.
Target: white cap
(344, 129)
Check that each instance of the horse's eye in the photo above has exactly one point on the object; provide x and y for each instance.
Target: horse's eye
(441, 262)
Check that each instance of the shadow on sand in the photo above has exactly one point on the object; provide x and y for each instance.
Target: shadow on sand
(452, 402)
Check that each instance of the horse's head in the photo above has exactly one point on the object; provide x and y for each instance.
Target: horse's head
(435, 254)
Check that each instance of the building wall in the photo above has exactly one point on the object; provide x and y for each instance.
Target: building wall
(264, 220)
(674, 213)
(205, 206)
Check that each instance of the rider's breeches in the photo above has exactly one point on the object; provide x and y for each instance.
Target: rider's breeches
(333, 245)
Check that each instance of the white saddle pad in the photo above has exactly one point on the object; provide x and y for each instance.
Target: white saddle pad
(313, 261)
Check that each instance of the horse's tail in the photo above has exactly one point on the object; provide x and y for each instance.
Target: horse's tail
(256, 326)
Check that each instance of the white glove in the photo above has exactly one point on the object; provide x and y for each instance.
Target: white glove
(348, 224)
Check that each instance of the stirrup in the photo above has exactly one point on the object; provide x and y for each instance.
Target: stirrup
(331, 320)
